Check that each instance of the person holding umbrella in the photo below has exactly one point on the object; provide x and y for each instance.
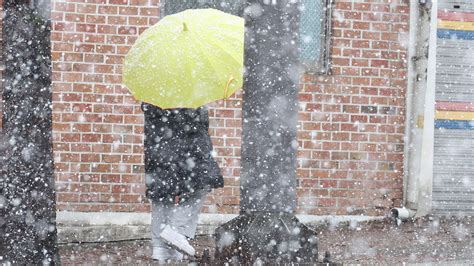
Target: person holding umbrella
(177, 66)
(180, 171)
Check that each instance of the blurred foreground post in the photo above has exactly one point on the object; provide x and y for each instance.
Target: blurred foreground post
(27, 197)
(267, 229)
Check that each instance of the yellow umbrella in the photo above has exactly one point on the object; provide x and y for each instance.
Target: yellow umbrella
(187, 59)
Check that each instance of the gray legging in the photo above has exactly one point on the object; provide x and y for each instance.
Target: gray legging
(183, 218)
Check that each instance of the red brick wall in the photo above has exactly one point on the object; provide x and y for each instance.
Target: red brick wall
(98, 126)
(351, 121)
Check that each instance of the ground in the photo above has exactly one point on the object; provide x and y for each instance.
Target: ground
(429, 240)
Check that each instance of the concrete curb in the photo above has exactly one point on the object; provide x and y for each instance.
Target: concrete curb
(119, 226)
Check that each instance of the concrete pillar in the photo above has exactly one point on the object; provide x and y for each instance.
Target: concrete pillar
(270, 107)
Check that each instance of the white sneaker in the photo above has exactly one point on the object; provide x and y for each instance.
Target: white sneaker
(177, 240)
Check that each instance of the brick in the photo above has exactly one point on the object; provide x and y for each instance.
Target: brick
(340, 24)
(119, 189)
(74, 17)
(83, 27)
(116, 39)
(89, 38)
(81, 107)
(359, 118)
(91, 138)
(352, 15)
(388, 36)
(93, 78)
(93, 58)
(351, 109)
(82, 87)
(343, 6)
(102, 148)
(379, 63)
(105, 49)
(360, 44)
(371, 35)
(63, 46)
(118, 2)
(360, 63)
(380, 8)
(370, 72)
(352, 34)
(96, 19)
(341, 61)
(351, 52)
(361, 25)
(131, 198)
(144, 2)
(111, 10)
(381, 26)
(82, 48)
(60, 27)
(340, 136)
(149, 12)
(78, 67)
(379, 45)
(77, 147)
(86, 8)
(67, 197)
(129, 11)
(371, 16)
(107, 29)
(119, 20)
(350, 71)
(88, 197)
(368, 109)
(64, 7)
(362, 6)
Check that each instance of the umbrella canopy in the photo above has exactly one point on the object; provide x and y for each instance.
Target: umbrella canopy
(187, 59)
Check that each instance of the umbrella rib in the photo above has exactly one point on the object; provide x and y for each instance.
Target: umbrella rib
(215, 44)
(202, 55)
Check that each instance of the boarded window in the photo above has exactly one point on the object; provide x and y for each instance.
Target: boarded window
(315, 29)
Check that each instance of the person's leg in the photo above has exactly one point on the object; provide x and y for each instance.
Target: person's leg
(159, 219)
(184, 217)
(183, 222)
(160, 214)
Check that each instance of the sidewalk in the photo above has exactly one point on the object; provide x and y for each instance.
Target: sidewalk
(430, 240)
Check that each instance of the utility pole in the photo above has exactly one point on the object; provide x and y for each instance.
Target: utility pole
(27, 197)
(267, 229)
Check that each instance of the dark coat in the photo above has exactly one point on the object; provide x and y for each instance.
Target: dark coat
(178, 149)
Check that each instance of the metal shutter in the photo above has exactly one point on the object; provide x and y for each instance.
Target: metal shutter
(453, 179)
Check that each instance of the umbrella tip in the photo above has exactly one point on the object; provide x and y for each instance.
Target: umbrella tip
(185, 27)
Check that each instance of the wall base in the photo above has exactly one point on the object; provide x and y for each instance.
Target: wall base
(119, 226)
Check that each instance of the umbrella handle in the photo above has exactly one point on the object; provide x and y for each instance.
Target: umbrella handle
(227, 86)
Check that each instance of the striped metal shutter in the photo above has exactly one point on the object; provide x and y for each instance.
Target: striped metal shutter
(453, 179)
